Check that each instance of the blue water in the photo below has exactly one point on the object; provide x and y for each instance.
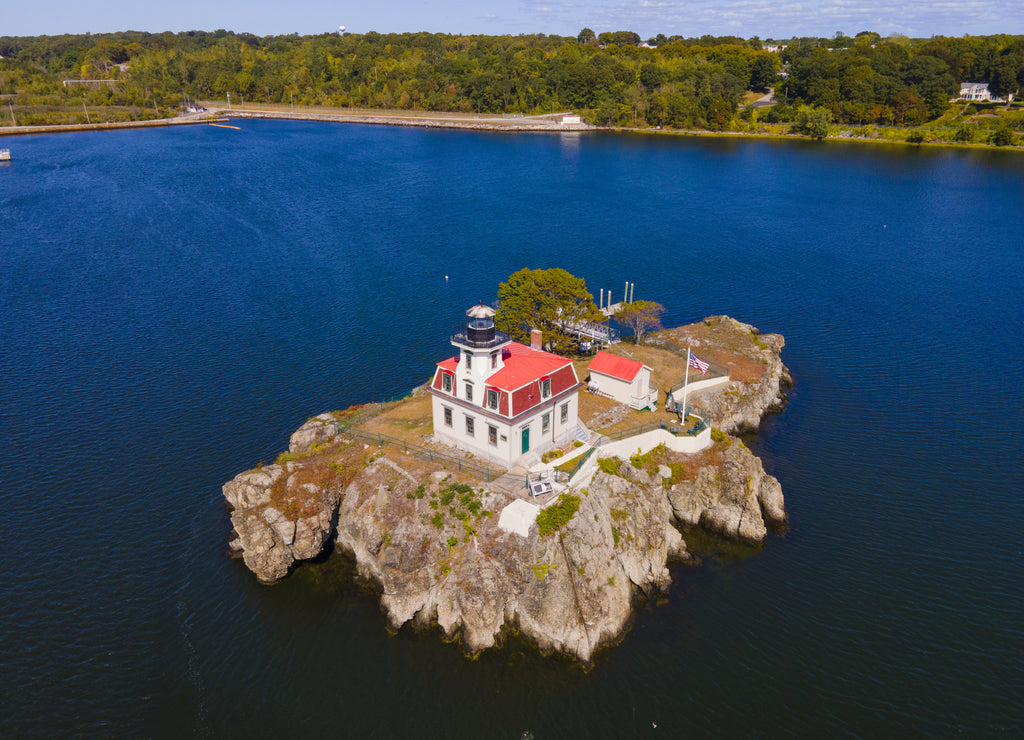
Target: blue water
(174, 302)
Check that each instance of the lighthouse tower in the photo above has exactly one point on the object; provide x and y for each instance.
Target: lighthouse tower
(480, 347)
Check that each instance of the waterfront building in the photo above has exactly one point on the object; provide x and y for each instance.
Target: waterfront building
(500, 399)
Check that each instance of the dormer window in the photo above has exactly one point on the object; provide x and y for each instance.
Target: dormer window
(469, 391)
(492, 399)
(545, 388)
(446, 382)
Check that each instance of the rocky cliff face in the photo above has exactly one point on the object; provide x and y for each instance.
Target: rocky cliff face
(272, 533)
(433, 545)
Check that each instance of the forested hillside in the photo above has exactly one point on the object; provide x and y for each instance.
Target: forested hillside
(610, 78)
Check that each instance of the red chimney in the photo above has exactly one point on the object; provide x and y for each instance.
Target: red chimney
(536, 338)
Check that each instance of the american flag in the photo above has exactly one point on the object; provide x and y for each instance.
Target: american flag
(699, 364)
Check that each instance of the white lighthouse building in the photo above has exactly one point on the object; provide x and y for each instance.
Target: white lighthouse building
(500, 399)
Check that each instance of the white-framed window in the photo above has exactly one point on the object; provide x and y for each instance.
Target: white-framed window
(447, 416)
(494, 360)
(469, 360)
(492, 399)
(545, 388)
(469, 426)
(492, 435)
(447, 382)
(469, 391)
(545, 422)
(565, 412)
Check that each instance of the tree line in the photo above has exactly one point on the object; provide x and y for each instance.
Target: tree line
(612, 78)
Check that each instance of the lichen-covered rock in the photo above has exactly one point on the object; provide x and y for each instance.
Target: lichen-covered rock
(734, 498)
(269, 539)
(318, 430)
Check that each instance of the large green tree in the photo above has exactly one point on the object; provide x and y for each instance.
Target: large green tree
(549, 300)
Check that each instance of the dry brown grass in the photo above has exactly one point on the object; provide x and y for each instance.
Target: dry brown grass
(329, 468)
(723, 345)
(410, 421)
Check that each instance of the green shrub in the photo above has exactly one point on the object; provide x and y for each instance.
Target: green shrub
(717, 435)
(609, 465)
(557, 515)
(551, 455)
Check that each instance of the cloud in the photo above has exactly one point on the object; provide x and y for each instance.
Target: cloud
(747, 18)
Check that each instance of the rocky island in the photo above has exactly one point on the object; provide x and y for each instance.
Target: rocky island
(477, 554)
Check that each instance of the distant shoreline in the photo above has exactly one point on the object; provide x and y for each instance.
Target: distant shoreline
(547, 123)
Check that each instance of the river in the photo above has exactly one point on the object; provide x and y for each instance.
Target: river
(174, 302)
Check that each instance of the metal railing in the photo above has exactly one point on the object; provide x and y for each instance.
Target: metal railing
(425, 453)
(564, 476)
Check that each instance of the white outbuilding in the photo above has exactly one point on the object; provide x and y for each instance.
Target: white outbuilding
(627, 381)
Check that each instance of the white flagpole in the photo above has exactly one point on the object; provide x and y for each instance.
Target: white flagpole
(686, 381)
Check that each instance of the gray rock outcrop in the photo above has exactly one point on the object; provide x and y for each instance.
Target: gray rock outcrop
(271, 532)
(732, 496)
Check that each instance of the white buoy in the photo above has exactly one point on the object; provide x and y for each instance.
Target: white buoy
(446, 278)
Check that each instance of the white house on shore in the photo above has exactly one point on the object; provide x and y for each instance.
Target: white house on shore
(978, 92)
(625, 380)
(502, 400)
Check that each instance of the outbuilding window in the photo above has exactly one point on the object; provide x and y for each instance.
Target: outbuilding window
(469, 426)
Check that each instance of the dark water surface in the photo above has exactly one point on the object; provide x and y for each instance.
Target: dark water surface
(174, 302)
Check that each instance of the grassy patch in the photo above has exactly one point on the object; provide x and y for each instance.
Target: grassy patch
(556, 516)
(649, 460)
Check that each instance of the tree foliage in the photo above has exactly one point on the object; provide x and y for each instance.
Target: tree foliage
(641, 317)
(608, 77)
(548, 300)
(812, 121)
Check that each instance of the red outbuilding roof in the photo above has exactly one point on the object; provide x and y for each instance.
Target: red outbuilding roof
(622, 368)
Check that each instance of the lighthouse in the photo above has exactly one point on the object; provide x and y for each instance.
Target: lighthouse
(501, 399)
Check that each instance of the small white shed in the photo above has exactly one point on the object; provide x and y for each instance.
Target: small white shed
(627, 381)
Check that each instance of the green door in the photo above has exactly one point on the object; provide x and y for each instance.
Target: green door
(526, 440)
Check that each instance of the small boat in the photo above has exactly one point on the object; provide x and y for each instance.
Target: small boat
(5, 155)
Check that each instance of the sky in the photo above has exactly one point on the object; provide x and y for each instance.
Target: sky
(780, 19)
